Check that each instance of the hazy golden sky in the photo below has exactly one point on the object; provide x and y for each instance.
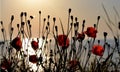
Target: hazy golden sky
(83, 9)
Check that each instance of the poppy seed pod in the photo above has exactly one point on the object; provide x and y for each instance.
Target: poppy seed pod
(48, 23)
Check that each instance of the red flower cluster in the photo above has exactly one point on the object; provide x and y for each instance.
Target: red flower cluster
(91, 32)
(33, 58)
(73, 63)
(6, 64)
(34, 45)
(63, 41)
(17, 43)
(98, 50)
(80, 36)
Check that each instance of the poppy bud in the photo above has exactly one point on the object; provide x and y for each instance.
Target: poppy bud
(69, 10)
(48, 16)
(43, 37)
(18, 25)
(56, 28)
(44, 19)
(83, 25)
(76, 19)
(94, 25)
(1, 22)
(2, 30)
(119, 25)
(46, 27)
(48, 23)
(54, 19)
(12, 29)
(25, 13)
(12, 18)
(98, 17)
(105, 34)
(28, 21)
(31, 17)
(40, 58)
(21, 14)
(72, 18)
(39, 12)
(22, 23)
(98, 41)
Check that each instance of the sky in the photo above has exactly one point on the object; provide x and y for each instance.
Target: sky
(83, 9)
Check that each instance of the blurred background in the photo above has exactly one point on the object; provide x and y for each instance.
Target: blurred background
(83, 9)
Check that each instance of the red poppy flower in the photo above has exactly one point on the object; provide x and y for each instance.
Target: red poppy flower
(98, 50)
(33, 58)
(6, 64)
(80, 36)
(16, 43)
(73, 64)
(34, 45)
(63, 41)
(91, 32)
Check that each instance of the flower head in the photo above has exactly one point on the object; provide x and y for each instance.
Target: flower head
(6, 64)
(63, 41)
(80, 36)
(33, 58)
(17, 43)
(98, 50)
(34, 45)
(73, 64)
(91, 32)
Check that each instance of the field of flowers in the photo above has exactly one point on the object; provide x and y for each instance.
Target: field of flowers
(71, 51)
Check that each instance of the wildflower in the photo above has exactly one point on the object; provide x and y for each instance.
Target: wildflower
(80, 36)
(33, 58)
(5, 65)
(73, 64)
(91, 32)
(63, 41)
(98, 50)
(16, 43)
(34, 45)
